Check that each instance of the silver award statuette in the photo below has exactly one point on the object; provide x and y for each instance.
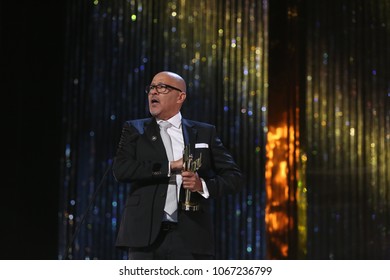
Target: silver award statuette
(190, 164)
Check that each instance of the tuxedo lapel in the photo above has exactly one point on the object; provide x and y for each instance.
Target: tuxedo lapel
(189, 133)
(152, 133)
(151, 130)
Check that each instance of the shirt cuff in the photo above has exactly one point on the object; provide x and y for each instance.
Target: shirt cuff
(205, 192)
(169, 169)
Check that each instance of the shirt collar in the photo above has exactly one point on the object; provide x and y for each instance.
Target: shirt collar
(175, 120)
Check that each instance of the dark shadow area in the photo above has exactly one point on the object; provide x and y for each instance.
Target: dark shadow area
(32, 71)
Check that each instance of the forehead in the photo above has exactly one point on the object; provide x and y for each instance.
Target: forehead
(163, 78)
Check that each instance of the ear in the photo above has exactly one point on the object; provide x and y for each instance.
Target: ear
(182, 97)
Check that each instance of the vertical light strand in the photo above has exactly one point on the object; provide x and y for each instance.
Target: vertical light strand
(385, 22)
(259, 73)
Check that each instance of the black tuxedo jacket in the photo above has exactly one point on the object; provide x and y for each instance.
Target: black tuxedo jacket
(141, 160)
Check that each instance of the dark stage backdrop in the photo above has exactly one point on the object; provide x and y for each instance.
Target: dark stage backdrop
(328, 140)
(347, 129)
(299, 91)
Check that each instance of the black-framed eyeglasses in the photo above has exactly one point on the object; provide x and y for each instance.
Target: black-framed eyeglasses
(161, 88)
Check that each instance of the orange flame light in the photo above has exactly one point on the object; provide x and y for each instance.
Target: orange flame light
(282, 157)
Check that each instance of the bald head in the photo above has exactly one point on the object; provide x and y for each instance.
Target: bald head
(175, 79)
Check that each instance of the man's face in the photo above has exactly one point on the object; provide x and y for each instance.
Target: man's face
(165, 105)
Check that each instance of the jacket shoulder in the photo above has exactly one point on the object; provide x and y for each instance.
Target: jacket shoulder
(198, 124)
(139, 124)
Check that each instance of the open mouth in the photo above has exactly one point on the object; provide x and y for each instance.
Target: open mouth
(154, 101)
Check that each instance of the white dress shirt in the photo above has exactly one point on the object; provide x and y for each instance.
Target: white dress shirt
(176, 134)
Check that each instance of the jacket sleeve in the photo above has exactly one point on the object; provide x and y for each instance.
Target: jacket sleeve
(223, 176)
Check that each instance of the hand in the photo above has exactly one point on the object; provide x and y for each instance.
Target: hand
(191, 181)
(177, 165)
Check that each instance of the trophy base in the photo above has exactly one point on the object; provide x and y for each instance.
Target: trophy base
(190, 207)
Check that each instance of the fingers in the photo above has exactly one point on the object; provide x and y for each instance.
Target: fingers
(191, 181)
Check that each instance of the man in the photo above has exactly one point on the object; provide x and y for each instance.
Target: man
(152, 161)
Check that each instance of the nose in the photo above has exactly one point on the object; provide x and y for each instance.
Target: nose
(153, 91)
